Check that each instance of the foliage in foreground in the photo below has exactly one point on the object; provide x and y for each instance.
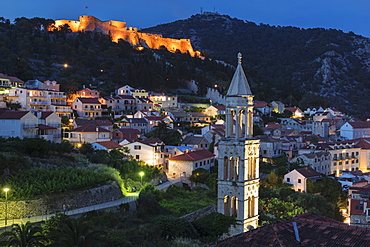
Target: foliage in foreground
(42, 181)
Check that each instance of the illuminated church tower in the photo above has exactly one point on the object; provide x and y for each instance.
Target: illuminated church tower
(238, 159)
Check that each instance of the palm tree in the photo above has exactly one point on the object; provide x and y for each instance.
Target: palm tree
(74, 233)
(23, 235)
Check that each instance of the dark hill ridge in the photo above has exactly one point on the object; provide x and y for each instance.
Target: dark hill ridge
(290, 61)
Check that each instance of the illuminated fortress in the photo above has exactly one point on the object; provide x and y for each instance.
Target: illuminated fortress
(118, 30)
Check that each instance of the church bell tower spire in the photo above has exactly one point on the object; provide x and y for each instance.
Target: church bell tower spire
(238, 174)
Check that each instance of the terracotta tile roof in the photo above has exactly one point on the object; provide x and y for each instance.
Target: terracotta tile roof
(109, 144)
(89, 128)
(46, 114)
(192, 140)
(308, 172)
(136, 120)
(155, 118)
(313, 230)
(98, 122)
(13, 114)
(45, 127)
(360, 124)
(10, 78)
(193, 155)
(274, 125)
(103, 122)
(151, 141)
(89, 100)
(260, 104)
(292, 109)
(220, 107)
(129, 131)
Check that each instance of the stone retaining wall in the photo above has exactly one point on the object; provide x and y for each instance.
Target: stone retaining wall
(200, 213)
(60, 202)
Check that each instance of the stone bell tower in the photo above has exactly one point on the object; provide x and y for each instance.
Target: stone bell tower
(238, 159)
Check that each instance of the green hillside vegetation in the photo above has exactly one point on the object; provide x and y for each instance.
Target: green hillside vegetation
(30, 52)
(289, 64)
(34, 167)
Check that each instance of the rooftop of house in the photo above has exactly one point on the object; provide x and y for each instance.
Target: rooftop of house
(136, 120)
(193, 140)
(89, 100)
(152, 141)
(118, 97)
(308, 172)
(10, 78)
(260, 104)
(312, 230)
(109, 144)
(193, 155)
(13, 114)
(98, 122)
(90, 128)
(45, 127)
(360, 124)
(220, 107)
(129, 131)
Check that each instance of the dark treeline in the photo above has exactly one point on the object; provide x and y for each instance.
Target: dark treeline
(29, 51)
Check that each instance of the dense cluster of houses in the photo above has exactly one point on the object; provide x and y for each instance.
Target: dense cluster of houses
(326, 140)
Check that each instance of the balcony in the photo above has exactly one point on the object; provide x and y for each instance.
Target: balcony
(30, 126)
(39, 103)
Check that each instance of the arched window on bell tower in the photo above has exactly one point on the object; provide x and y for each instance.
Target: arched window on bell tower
(226, 168)
(227, 204)
(234, 206)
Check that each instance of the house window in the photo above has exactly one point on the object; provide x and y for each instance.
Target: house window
(299, 180)
(137, 147)
(196, 164)
(299, 190)
(359, 207)
(288, 179)
(137, 157)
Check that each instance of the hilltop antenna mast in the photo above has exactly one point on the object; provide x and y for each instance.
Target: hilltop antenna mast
(201, 10)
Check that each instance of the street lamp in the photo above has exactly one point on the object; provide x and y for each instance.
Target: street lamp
(141, 177)
(6, 205)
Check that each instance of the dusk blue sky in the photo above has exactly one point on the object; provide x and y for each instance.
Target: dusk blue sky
(346, 15)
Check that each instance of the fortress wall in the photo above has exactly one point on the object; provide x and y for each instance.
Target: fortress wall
(74, 25)
(118, 30)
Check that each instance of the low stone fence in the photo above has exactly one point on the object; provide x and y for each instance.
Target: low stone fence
(61, 202)
(200, 213)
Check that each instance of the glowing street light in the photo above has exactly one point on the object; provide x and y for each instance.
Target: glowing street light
(141, 177)
(6, 205)
(65, 65)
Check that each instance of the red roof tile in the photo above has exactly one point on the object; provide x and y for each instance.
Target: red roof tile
(89, 128)
(89, 100)
(194, 155)
(308, 172)
(129, 131)
(313, 230)
(45, 127)
(13, 114)
(109, 144)
(360, 124)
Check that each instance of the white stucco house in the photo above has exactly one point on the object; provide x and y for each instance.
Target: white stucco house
(182, 165)
(298, 178)
(353, 130)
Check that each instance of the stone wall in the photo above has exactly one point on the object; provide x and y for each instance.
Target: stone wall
(200, 213)
(54, 203)
(215, 96)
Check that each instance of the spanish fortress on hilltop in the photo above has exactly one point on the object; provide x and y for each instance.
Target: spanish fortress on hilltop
(118, 30)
